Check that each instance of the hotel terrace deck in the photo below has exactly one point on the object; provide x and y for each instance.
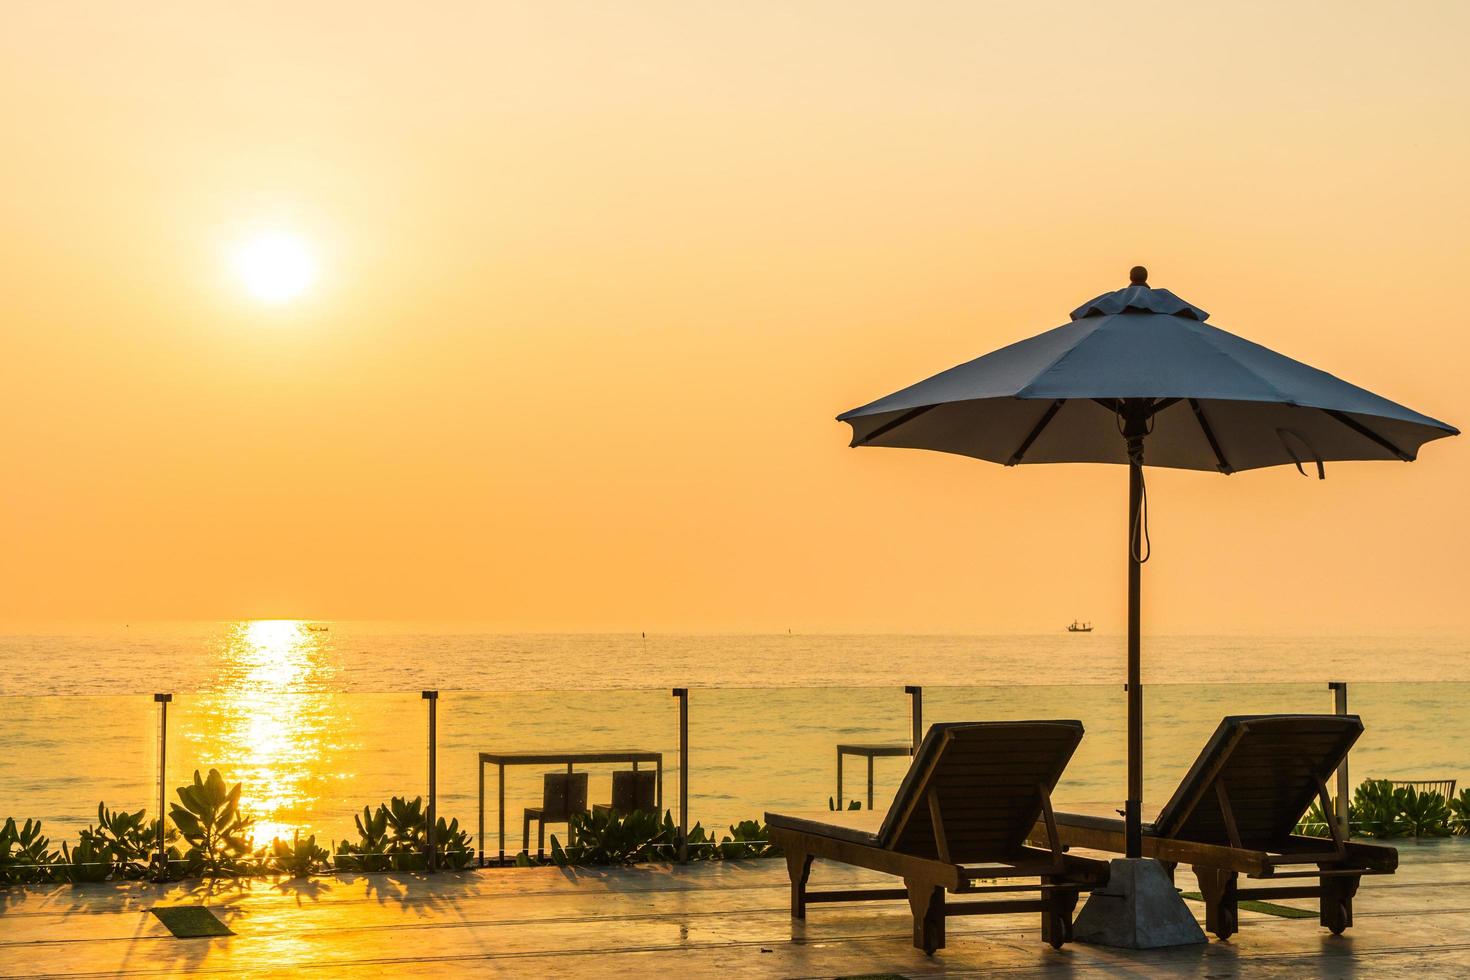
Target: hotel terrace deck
(718, 919)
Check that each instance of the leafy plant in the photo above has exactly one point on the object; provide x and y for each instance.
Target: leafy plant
(130, 838)
(453, 846)
(1315, 824)
(605, 838)
(395, 837)
(90, 860)
(214, 827)
(298, 858)
(1426, 814)
(1460, 814)
(1380, 808)
(25, 853)
(748, 839)
(370, 852)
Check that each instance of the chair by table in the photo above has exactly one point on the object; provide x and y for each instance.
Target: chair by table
(563, 795)
(632, 790)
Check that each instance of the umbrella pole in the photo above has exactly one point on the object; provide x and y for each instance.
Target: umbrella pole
(1134, 429)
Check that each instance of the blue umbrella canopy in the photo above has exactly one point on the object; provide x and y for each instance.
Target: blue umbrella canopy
(1139, 377)
(1218, 401)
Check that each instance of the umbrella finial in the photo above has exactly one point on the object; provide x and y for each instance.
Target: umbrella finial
(1138, 275)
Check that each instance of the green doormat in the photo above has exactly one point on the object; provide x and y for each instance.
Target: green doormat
(1270, 908)
(191, 921)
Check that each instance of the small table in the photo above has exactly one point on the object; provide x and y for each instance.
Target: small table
(569, 759)
(870, 751)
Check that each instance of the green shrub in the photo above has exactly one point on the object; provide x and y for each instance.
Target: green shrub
(215, 834)
(131, 839)
(603, 838)
(1460, 814)
(1314, 823)
(1425, 814)
(1380, 809)
(25, 853)
(214, 827)
(298, 858)
(395, 838)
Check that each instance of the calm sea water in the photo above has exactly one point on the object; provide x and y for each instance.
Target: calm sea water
(318, 722)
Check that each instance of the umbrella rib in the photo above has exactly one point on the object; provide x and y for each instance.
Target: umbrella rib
(1045, 420)
(892, 424)
(1368, 433)
(1162, 404)
(1204, 425)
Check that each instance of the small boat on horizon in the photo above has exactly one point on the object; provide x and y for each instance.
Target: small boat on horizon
(1079, 627)
(317, 627)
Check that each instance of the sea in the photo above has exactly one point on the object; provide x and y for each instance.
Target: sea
(317, 720)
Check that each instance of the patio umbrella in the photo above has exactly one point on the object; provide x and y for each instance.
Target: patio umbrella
(1139, 377)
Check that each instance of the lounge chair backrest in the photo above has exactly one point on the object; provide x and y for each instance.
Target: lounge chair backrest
(986, 778)
(1270, 766)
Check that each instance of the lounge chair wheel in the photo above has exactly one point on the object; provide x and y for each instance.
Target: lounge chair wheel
(1344, 915)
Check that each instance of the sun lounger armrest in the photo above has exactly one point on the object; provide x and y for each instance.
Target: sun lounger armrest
(1375, 857)
(868, 856)
(1101, 834)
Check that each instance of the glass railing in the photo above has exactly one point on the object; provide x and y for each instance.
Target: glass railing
(65, 754)
(562, 727)
(311, 760)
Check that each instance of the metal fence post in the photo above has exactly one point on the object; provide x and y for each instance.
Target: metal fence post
(162, 700)
(1340, 706)
(916, 712)
(682, 693)
(433, 698)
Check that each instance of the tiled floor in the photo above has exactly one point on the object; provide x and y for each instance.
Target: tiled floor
(728, 920)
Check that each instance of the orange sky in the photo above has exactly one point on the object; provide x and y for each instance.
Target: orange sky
(595, 279)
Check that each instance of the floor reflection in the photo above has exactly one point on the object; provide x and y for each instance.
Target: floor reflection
(271, 723)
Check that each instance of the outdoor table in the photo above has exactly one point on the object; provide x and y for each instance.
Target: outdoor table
(502, 759)
(870, 751)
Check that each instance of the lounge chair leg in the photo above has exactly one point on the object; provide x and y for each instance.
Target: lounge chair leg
(540, 840)
(1218, 888)
(526, 837)
(927, 902)
(1056, 921)
(1169, 867)
(799, 866)
(1337, 901)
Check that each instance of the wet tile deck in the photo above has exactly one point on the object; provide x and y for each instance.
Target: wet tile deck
(726, 920)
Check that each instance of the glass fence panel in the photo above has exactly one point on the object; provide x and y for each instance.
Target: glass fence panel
(1411, 731)
(758, 749)
(1178, 719)
(306, 760)
(513, 728)
(311, 760)
(66, 754)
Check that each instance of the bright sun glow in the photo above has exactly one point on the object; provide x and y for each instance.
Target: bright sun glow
(274, 267)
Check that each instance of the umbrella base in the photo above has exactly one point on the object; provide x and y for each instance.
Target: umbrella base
(1139, 908)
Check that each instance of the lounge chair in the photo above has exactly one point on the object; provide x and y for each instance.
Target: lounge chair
(960, 817)
(1235, 813)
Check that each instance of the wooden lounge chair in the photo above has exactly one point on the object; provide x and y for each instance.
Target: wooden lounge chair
(960, 817)
(1235, 813)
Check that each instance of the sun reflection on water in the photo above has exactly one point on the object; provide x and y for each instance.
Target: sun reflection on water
(271, 723)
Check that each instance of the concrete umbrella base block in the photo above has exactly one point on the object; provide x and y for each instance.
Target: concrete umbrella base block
(1139, 908)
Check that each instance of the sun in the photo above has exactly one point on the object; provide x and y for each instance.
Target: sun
(274, 267)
